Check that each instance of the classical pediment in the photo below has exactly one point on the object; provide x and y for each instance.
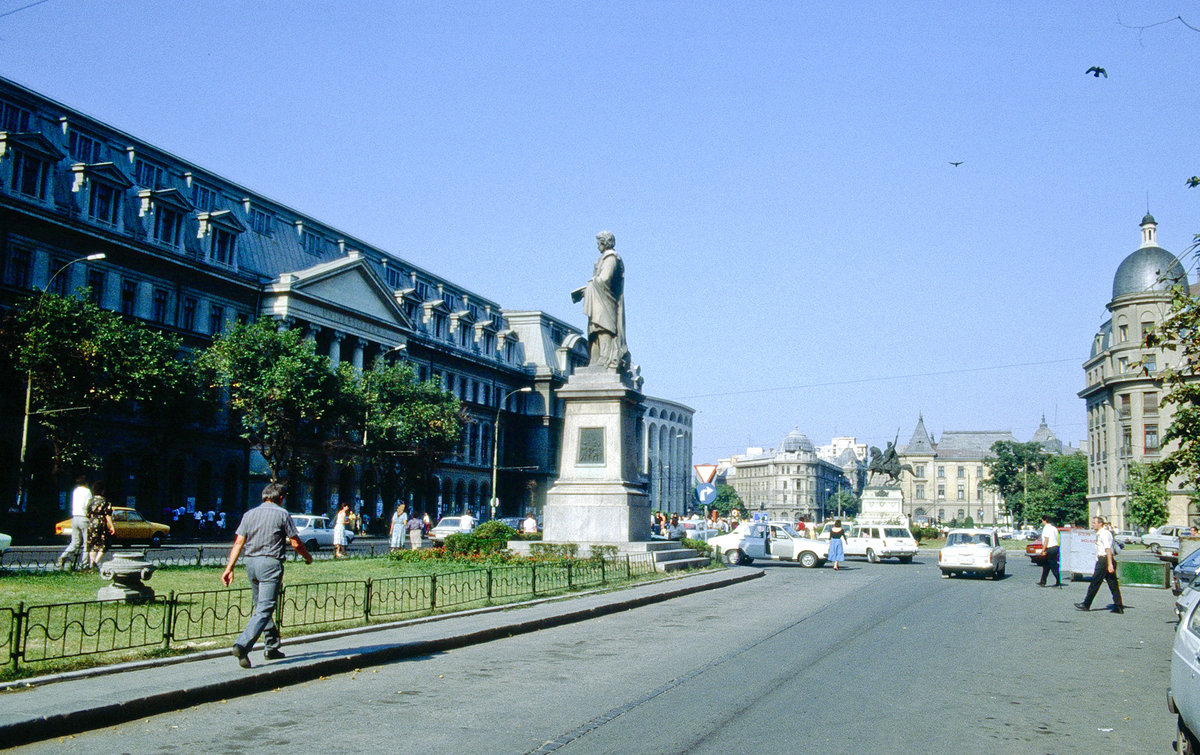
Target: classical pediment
(106, 172)
(30, 142)
(343, 286)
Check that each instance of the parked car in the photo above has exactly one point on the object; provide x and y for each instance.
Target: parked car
(1036, 551)
(1164, 538)
(449, 525)
(1125, 537)
(5, 541)
(777, 541)
(876, 541)
(972, 551)
(130, 528)
(1183, 696)
(316, 532)
(1185, 572)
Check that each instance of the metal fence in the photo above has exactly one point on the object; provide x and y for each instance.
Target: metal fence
(40, 633)
(44, 558)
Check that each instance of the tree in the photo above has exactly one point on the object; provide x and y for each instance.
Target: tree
(1060, 491)
(727, 499)
(1179, 332)
(284, 393)
(1011, 465)
(1147, 496)
(84, 365)
(845, 503)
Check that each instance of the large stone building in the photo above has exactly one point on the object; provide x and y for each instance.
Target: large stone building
(790, 483)
(1126, 418)
(192, 253)
(947, 479)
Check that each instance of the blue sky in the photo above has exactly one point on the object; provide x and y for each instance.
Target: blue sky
(799, 251)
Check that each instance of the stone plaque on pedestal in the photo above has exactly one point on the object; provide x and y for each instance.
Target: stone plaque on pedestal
(599, 496)
(882, 505)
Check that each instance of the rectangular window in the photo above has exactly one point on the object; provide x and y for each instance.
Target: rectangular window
(216, 320)
(158, 310)
(103, 203)
(203, 197)
(187, 314)
(962, 472)
(920, 492)
(84, 148)
(1126, 441)
(1149, 404)
(1147, 329)
(1122, 365)
(395, 278)
(313, 244)
(1123, 406)
(260, 222)
(962, 493)
(941, 492)
(1149, 363)
(58, 283)
(1151, 439)
(919, 470)
(1123, 333)
(95, 284)
(941, 471)
(30, 175)
(149, 174)
(222, 246)
(168, 225)
(13, 117)
(464, 336)
(128, 297)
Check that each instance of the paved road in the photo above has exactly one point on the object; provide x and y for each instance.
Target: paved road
(878, 658)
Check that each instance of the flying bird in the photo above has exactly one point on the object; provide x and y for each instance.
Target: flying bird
(1194, 181)
(1097, 72)
(956, 164)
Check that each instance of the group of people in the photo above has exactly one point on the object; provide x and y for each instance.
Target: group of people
(91, 526)
(417, 527)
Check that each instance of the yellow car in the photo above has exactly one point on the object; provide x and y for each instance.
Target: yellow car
(130, 527)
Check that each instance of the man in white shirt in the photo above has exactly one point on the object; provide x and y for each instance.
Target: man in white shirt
(467, 522)
(1106, 569)
(529, 526)
(79, 501)
(1050, 551)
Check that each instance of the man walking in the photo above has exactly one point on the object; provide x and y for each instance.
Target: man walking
(79, 522)
(1105, 571)
(263, 535)
(1050, 552)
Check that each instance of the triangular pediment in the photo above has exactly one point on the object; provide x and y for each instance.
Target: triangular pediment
(346, 284)
(106, 172)
(172, 198)
(224, 219)
(30, 142)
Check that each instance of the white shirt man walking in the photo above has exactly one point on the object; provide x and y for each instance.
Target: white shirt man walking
(1105, 571)
(79, 522)
(1049, 553)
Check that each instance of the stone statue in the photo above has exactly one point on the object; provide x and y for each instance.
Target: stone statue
(604, 304)
(887, 463)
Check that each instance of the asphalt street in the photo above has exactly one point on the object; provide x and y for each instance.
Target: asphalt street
(876, 658)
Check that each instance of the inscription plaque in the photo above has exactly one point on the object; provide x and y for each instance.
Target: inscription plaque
(591, 446)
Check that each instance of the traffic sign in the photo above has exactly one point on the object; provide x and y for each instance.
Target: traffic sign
(706, 493)
(705, 472)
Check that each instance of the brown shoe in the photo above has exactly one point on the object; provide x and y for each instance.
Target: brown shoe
(242, 656)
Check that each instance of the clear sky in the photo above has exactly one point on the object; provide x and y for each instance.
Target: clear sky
(799, 250)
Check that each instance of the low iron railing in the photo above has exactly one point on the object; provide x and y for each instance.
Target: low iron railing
(40, 633)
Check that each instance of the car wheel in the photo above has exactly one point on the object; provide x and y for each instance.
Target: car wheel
(808, 559)
(733, 557)
(906, 559)
(998, 573)
(872, 556)
(945, 574)
(311, 545)
(1185, 743)
(156, 540)
(1155, 549)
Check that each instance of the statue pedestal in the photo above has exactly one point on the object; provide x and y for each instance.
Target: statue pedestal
(599, 496)
(882, 505)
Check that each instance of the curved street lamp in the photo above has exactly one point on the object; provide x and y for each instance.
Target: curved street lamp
(496, 445)
(29, 388)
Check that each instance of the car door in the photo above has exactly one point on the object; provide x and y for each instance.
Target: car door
(1185, 669)
(136, 526)
(782, 546)
(754, 543)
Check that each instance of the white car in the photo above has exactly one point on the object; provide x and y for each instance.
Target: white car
(1164, 538)
(449, 525)
(876, 541)
(972, 552)
(5, 541)
(1183, 696)
(316, 532)
(778, 541)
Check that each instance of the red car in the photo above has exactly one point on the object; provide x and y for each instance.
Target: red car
(1036, 551)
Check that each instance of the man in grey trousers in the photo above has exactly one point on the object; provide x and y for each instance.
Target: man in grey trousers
(262, 538)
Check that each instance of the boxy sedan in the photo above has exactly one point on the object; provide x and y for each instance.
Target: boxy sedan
(315, 532)
(972, 552)
(130, 528)
(1183, 696)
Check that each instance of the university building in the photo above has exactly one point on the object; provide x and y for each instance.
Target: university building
(1125, 414)
(792, 482)
(192, 253)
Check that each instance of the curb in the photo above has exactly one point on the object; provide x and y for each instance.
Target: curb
(72, 722)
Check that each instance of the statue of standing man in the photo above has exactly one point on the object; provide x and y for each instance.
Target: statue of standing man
(604, 304)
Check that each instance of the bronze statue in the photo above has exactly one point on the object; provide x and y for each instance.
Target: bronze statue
(887, 463)
(604, 304)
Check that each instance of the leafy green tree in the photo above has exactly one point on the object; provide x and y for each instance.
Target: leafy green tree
(1011, 465)
(1146, 502)
(846, 502)
(726, 500)
(1180, 333)
(284, 393)
(1060, 491)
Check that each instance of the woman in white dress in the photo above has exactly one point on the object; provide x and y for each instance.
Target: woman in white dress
(396, 531)
(339, 531)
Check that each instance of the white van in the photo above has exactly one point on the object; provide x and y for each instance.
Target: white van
(876, 541)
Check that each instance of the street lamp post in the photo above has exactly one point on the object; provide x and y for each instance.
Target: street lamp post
(29, 389)
(496, 444)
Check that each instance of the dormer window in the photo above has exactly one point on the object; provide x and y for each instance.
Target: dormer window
(13, 117)
(168, 226)
(204, 198)
(149, 174)
(260, 221)
(32, 156)
(313, 244)
(103, 184)
(168, 207)
(222, 229)
(86, 149)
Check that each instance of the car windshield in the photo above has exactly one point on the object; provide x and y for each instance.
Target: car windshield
(788, 529)
(448, 522)
(1190, 561)
(967, 538)
(896, 532)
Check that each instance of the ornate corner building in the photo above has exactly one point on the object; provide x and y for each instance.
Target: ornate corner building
(192, 253)
(1125, 415)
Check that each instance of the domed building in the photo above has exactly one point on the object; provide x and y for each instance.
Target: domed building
(789, 483)
(1125, 417)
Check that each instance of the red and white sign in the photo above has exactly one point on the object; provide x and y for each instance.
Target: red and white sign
(706, 472)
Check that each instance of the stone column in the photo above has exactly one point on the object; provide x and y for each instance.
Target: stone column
(356, 355)
(283, 324)
(311, 333)
(335, 347)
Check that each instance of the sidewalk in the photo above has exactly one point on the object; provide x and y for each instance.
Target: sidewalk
(61, 704)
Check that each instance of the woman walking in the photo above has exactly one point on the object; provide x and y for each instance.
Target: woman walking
(100, 525)
(396, 531)
(837, 544)
(339, 530)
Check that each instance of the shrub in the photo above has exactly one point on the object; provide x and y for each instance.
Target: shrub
(603, 552)
(702, 548)
(926, 533)
(462, 544)
(495, 530)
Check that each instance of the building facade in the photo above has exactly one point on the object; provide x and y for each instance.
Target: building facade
(192, 253)
(1125, 415)
(790, 483)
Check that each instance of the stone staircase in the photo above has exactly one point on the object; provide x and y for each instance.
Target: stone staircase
(669, 556)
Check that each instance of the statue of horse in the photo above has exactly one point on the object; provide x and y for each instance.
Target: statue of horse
(887, 463)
